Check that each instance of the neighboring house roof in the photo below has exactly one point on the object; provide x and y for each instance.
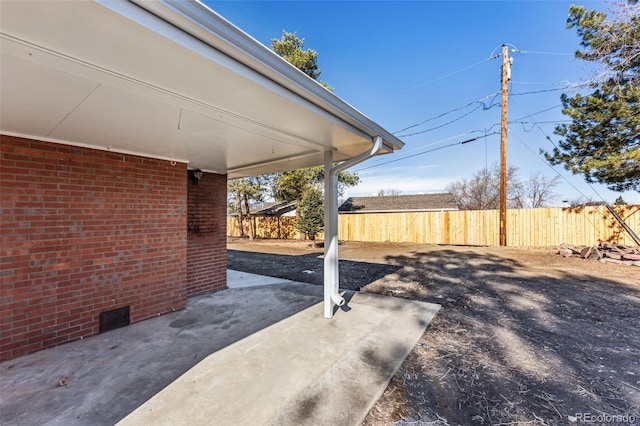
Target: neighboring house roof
(168, 79)
(271, 209)
(276, 209)
(399, 203)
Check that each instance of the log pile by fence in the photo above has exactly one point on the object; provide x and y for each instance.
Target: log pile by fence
(542, 227)
(605, 252)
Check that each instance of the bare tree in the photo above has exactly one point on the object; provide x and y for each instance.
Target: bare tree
(482, 191)
(579, 201)
(535, 192)
(245, 189)
(235, 189)
(389, 192)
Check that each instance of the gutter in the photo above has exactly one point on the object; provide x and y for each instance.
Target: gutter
(331, 266)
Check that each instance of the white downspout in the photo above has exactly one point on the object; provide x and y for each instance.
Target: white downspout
(331, 270)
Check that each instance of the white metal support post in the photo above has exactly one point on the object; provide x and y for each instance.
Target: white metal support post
(331, 271)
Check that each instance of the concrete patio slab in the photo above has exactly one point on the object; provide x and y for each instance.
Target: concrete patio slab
(238, 279)
(242, 356)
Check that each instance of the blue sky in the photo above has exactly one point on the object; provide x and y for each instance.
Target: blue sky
(405, 62)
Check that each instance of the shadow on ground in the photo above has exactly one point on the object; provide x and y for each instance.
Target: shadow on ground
(522, 337)
(514, 344)
(307, 268)
(101, 379)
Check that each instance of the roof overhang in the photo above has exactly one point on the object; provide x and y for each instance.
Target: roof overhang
(170, 80)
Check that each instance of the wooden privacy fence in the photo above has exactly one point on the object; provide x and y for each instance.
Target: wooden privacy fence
(266, 227)
(540, 227)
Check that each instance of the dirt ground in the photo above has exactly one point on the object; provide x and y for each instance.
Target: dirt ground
(524, 336)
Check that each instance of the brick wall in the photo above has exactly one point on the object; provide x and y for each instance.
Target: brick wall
(207, 226)
(85, 231)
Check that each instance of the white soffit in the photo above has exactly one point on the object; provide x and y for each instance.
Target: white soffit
(159, 82)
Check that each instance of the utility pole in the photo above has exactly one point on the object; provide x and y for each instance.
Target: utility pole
(506, 76)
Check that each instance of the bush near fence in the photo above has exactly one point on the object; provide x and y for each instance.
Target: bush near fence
(541, 227)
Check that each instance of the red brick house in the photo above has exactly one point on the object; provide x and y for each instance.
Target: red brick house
(120, 122)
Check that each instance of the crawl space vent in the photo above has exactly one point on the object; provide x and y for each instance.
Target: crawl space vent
(116, 318)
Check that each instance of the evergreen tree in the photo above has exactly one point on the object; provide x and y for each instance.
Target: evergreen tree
(619, 201)
(290, 47)
(295, 184)
(311, 214)
(602, 142)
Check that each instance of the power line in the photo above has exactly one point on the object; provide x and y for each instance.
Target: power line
(491, 57)
(516, 121)
(537, 52)
(440, 126)
(547, 164)
(557, 89)
(482, 102)
(541, 122)
(536, 113)
(535, 83)
(535, 124)
(426, 152)
(483, 105)
(479, 101)
(563, 177)
(553, 143)
(533, 92)
(470, 132)
(447, 75)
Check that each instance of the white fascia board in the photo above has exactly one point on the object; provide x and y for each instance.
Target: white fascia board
(202, 23)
